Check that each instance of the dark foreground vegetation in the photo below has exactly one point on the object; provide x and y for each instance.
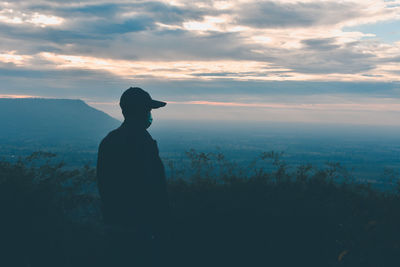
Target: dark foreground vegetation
(265, 215)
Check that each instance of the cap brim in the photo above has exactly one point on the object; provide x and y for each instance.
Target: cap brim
(157, 104)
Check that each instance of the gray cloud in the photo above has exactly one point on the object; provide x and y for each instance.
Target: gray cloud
(168, 14)
(158, 11)
(94, 28)
(221, 90)
(61, 83)
(324, 56)
(274, 15)
(101, 30)
(326, 44)
(130, 31)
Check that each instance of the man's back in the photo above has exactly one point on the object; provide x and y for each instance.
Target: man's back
(131, 179)
(132, 187)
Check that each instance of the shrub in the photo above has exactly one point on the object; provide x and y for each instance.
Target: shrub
(222, 214)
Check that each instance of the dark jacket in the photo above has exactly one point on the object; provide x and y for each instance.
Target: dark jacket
(131, 179)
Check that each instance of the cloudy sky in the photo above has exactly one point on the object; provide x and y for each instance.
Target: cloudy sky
(286, 60)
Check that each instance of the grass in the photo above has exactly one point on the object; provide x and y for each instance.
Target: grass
(222, 214)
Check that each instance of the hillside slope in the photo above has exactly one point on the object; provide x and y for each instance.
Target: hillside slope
(48, 121)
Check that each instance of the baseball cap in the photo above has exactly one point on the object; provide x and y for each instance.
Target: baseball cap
(137, 98)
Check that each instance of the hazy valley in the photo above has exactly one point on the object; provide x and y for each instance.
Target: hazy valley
(73, 130)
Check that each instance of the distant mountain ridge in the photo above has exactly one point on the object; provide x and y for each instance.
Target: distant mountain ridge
(48, 121)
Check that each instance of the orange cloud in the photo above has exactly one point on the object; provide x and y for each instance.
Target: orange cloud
(17, 96)
(333, 106)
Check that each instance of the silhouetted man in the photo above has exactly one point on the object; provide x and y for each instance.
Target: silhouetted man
(132, 186)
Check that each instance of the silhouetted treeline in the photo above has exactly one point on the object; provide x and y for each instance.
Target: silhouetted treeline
(267, 214)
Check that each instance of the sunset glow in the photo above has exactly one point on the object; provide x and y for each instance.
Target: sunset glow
(17, 96)
(219, 51)
(336, 106)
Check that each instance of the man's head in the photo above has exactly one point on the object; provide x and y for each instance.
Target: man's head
(136, 104)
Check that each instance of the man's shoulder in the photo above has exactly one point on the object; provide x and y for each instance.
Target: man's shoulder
(122, 135)
(111, 138)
